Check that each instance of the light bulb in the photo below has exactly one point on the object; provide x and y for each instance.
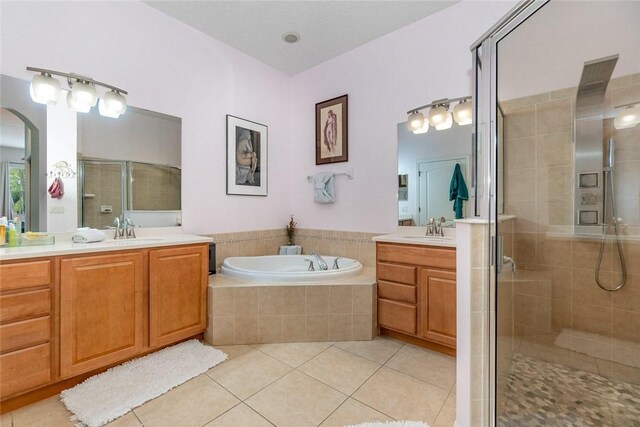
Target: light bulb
(415, 120)
(112, 104)
(84, 94)
(462, 113)
(76, 106)
(44, 89)
(423, 129)
(627, 117)
(438, 115)
(446, 124)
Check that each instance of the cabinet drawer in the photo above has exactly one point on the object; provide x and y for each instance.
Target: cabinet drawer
(397, 315)
(24, 334)
(24, 304)
(396, 291)
(418, 255)
(25, 274)
(24, 369)
(396, 273)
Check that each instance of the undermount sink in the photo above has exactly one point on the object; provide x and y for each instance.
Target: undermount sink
(126, 242)
(434, 238)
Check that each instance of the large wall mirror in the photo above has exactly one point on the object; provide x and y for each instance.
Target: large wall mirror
(426, 163)
(125, 167)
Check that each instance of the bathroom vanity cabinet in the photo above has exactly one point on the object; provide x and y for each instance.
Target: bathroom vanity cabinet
(63, 318)
(417, 294)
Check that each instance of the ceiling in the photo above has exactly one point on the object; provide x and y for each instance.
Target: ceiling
(326, 28)
(548, 51)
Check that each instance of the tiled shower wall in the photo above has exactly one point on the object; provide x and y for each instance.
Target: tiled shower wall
(104, 182)
(555, 285)
(354, 245)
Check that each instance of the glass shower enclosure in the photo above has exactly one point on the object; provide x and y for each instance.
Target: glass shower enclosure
(558, 114)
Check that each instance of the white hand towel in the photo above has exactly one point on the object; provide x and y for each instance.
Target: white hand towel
(88, 235)
(324, 188)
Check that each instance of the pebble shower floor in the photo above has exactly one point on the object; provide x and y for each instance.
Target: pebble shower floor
(550, 395)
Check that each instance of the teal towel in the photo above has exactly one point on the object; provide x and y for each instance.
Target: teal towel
(458, 191)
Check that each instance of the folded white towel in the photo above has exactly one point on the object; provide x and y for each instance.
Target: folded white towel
(324, 188)
(88, 235)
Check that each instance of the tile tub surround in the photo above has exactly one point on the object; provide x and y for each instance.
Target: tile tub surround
(555, 288)
(347, 244)
(241, 312)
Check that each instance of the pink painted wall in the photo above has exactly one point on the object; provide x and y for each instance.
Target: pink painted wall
(425, 61)
(174, 69)
(171, 68)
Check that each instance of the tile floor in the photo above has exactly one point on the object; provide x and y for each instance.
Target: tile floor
(298, 384)
(543, 394)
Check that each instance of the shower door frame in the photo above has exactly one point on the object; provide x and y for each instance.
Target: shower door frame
(486, 155)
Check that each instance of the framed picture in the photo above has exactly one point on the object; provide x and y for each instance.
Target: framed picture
(332, 137)
(246, 157)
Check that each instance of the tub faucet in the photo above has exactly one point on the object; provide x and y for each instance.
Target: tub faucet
(310, 261)
(335, 263)
(321, 262)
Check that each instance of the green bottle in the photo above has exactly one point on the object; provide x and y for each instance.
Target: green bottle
(12, 236)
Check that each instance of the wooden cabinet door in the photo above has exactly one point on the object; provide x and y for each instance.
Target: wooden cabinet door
(178, 280)
(102, 313)
(437, 306)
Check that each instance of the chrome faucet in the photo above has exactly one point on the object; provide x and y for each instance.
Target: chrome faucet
(129, 229)
(439, 227)
(335, 263)
(431, 227)
(310, 261)
(119, 229)
(321, 262)
(436, 227)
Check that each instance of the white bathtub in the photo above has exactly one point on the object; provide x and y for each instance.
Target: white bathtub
(287, 268)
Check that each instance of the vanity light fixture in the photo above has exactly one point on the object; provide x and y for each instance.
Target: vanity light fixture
(448, 121)
(423, 129)
(627, 116)
(82, 95)
(462, 113)
(415, 121)
(439, 115)
(45, 89)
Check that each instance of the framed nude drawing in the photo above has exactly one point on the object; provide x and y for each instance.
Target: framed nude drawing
(246, 157)
(332, 137)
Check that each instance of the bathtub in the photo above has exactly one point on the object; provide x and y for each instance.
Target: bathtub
(287, 268)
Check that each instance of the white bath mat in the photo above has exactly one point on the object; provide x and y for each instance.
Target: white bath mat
(113, 393)
(393, 424)
(615, 350)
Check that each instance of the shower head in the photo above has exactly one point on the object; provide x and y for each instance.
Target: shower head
(593, 85)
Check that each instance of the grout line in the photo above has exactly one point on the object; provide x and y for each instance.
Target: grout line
(219, 415)
(137, 417)
(419, 379)
(443, 404)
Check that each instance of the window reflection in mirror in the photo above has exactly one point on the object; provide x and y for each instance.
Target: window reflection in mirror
(436, 153)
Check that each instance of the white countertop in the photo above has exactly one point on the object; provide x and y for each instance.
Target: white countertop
(416, 236)
(146, 238)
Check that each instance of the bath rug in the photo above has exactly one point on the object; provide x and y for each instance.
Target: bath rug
(393, 424)
(113, 393)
